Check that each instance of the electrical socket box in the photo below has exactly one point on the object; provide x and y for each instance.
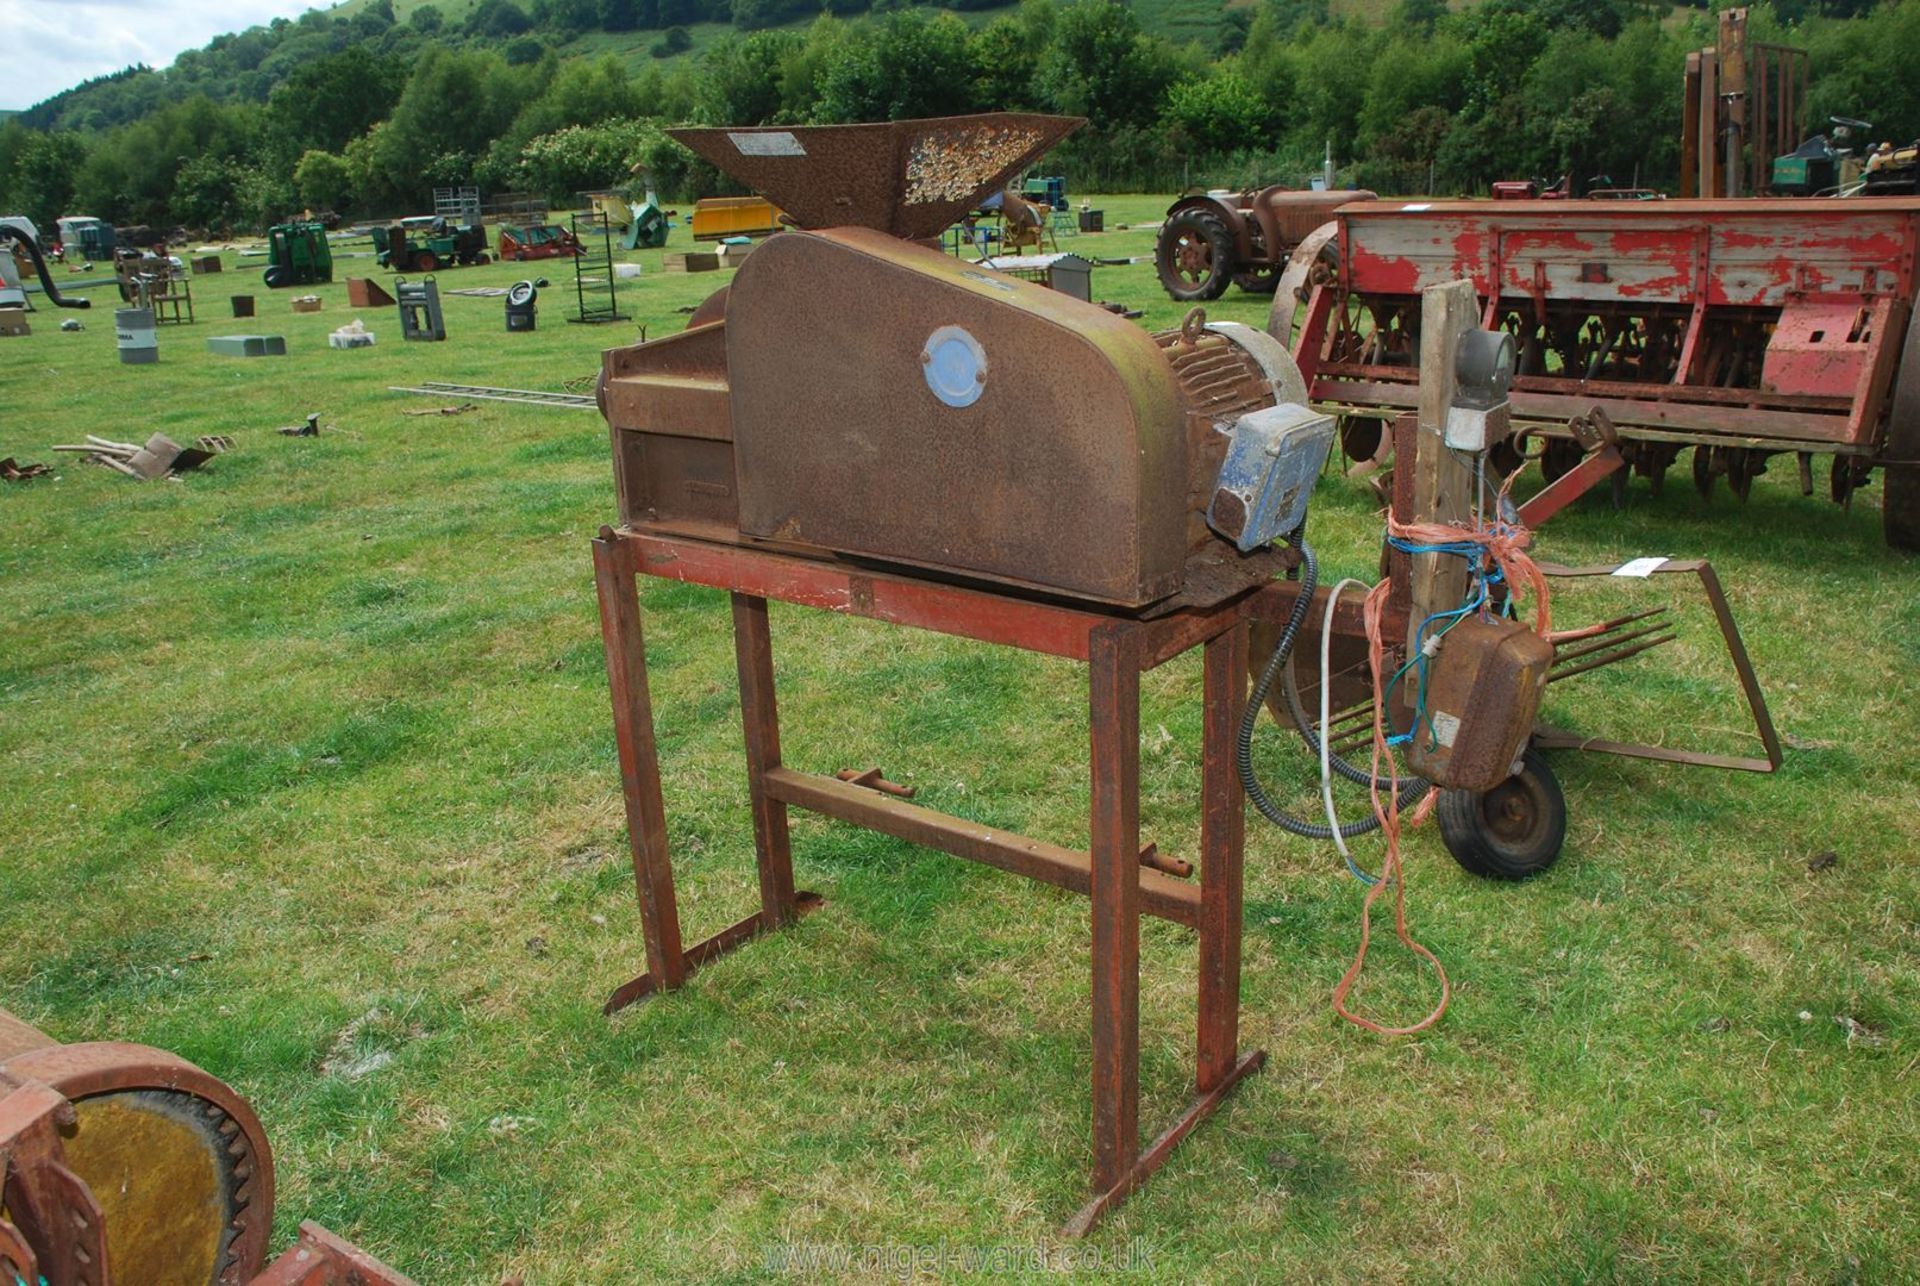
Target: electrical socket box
(1274, 456)
(1482, 691)
(1471, 428)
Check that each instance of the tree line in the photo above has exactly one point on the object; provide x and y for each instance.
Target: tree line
(365, 114)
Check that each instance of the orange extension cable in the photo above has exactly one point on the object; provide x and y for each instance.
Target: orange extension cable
(1506, 547)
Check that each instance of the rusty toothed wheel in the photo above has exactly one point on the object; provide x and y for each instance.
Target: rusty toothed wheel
(176, 1160)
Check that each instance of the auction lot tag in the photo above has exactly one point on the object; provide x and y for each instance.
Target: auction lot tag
(1640, 568)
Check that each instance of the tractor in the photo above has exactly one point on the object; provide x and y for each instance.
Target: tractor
(1211, 239)
(439, 244)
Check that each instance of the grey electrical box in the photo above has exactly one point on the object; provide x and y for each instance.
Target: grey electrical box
(1071, 275)
(1274, 456)
(1483, 372)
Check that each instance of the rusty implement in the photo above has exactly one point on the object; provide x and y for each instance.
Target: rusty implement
(1593, 432)
(122, 1165)
(1742, 328)
(1628, 636)
(1577, 651)
(863, 425)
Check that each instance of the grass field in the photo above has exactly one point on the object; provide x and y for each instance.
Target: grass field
(310, 777)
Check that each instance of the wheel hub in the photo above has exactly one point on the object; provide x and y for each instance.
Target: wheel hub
(1194, 256)
(1511, 811)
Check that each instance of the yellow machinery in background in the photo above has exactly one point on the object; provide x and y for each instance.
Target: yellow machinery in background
(718, 217)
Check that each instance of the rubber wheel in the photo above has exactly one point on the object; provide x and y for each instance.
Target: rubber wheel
(426, 261)
(1900, 506)
(275, 277)
(1512, 831)
(1194, 256)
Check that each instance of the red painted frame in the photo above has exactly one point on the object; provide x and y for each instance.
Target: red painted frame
(1116, 649)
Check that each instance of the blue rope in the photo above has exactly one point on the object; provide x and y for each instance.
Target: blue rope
(1484, 578)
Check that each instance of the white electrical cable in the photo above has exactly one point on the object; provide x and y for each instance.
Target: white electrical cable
(1326, 689)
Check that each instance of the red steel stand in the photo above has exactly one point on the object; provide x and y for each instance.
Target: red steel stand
(1116, 649)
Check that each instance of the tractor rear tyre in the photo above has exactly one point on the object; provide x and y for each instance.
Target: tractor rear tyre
(1259, 281)
(1900, 480)
(1194, 256)
(1511, 831)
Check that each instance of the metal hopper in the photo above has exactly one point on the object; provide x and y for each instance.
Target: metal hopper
(908, 178)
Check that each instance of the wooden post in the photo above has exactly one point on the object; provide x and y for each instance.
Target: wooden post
(1707, 147)
(1443, 481)
(1733, 88)
(1690, 129)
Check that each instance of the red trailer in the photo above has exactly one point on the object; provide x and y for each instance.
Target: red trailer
(1742, 328)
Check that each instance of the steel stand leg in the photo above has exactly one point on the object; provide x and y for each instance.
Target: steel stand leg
(1114, 700)
(1120, 1165)
(760, 717)
(1222, 846)
(614, 577)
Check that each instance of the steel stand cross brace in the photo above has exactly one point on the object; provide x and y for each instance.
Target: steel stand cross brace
(1121, 889)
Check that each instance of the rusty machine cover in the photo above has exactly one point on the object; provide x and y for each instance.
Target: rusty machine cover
(1057, 460)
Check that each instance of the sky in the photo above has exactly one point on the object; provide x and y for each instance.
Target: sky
(51, 45)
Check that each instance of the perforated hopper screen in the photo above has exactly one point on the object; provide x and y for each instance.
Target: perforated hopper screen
(909, 178)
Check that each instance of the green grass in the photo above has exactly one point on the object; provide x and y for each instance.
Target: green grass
(303, 751)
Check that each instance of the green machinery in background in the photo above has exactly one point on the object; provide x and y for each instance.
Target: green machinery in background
(298, 255)
(642, 224)
(408, 247)
(647, 229)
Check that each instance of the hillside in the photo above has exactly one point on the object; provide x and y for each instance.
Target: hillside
(364, 108)
(579, 28)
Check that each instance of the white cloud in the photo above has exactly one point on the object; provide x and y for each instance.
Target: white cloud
(53, 45)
